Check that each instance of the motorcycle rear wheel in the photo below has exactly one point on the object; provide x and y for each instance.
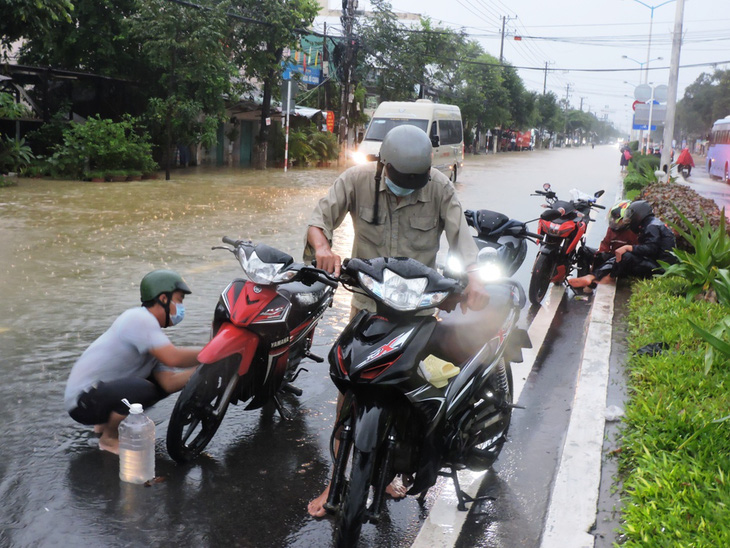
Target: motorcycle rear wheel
(192, 423)
(483, 455)
(353, 506)
(542, 273)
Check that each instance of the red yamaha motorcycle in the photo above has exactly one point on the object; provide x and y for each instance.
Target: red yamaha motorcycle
(563, 229)
(262, 329)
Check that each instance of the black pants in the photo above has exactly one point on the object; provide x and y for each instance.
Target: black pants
(96, 404)
(630, 265)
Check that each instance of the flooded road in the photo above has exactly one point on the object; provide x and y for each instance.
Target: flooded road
(71, 257)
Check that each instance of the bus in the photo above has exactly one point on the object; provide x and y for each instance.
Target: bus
(718, 154)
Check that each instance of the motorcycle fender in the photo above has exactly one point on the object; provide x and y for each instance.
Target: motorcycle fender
(550, 249)
(519, 340)
(228, 341)
(370, 426)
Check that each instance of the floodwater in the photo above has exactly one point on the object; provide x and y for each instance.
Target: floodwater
(71, 257)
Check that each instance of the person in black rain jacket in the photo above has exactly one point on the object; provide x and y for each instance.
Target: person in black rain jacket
(656, 242)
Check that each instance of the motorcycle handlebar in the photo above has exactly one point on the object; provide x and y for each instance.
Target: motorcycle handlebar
(320, 275)
(230, 241)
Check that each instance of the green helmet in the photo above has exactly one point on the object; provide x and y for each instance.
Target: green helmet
(161, 281)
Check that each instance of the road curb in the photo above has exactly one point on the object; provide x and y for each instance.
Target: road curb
(573, 504)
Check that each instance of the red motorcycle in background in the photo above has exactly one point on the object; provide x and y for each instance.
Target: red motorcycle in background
(563, 227)
(262, 329)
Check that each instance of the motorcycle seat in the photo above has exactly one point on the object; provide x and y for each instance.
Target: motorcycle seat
(487, 220)
(457, 336)
(305, 297)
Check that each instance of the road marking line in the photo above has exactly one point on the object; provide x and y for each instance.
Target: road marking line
(445, 521)
(573, 505)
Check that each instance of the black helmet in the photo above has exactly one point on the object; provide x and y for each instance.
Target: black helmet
(406, 153)
(637, 212)
(158, 282)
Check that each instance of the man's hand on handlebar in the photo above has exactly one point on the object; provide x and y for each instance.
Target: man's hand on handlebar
(326, 259)
(475, 296)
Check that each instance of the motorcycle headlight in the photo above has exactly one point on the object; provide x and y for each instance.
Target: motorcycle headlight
(263, 273)
(400, 293)
(488, 264)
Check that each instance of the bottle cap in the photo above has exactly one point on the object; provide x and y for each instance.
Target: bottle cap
(136, 409)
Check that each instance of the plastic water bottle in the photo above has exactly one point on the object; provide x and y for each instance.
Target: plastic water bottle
(136, 446)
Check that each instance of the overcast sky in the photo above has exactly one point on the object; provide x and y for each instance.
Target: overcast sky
(587, 34)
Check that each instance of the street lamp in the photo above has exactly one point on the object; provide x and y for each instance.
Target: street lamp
(651, 24)
(641, 66)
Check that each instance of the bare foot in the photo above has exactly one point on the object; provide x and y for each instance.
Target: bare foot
(98, 429)
(107, 443)
(583, 281)
(396, 489)
(316, 506)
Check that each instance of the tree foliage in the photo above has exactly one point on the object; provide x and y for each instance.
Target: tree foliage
(706, 100)
(187, 49)
(258, 48)
(94, 38)
(22, 18)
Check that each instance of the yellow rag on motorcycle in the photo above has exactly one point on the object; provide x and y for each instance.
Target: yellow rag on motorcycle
(438, 371)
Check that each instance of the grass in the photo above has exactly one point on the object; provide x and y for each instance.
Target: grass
(675, 458)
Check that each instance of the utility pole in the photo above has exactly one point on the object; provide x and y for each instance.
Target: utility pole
(672, 86)
(325, 67)
(581, 103)
(544, 80)
(347, 19)
(501, 47)
(567, 99)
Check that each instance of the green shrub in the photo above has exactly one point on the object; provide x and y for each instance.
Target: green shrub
(706, 268)
(14, 155)
(7, 181)
(101, 144)
(325, 145)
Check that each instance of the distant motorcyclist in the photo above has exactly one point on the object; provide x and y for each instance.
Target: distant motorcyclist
(685, 161)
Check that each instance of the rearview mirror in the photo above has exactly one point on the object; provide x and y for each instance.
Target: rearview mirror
(599, 193)
(546, 187)
(434, 141)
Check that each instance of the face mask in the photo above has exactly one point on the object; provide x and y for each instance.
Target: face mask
(179, 314)
(397, 190)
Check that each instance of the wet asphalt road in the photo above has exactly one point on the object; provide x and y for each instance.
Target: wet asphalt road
(72, 254)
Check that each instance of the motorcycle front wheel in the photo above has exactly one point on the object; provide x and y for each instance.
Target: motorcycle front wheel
(199, 410)
(542, 273)
(353, 505)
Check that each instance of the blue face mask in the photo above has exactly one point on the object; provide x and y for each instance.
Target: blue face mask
(397, 190)
(179, 314)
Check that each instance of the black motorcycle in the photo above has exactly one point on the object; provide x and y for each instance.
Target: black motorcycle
(394, 420)
(507, 236)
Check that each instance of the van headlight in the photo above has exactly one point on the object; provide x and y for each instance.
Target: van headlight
(359, 157)
(263, 273)
(404, 294)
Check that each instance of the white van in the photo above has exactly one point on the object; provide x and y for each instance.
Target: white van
(441, 122)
